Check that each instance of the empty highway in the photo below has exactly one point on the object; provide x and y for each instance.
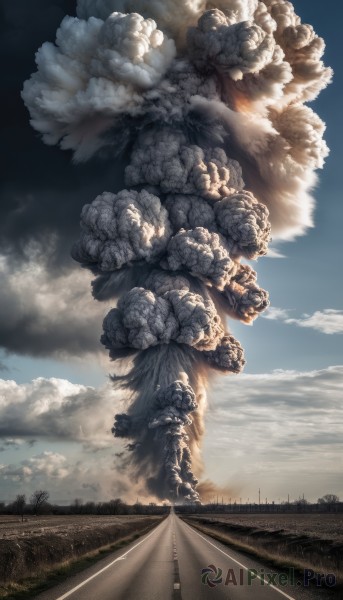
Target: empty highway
(167, 564)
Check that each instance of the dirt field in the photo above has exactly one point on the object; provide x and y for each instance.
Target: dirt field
(323, 526)
(12, 528)
(41, 543)
(312, 541)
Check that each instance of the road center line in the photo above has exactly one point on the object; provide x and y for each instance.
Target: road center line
(177, 582)
(238, 563)
(122, 557)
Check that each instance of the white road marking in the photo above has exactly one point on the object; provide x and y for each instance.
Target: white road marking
(238, 563)
(177, 583)
(122, 557)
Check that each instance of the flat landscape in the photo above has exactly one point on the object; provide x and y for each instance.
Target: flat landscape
(323, 526)
(305, 541)
(38, 544)
(11, 527)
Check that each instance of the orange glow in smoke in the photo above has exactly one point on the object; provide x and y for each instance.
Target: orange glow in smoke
(235, 98)
(240, 102)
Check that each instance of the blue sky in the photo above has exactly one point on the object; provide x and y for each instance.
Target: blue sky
(279, 425)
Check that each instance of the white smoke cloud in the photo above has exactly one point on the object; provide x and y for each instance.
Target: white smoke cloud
(219, 152)
(303, 50)
(92, 75)
(277, 167)
(173, 16)
(285, 60)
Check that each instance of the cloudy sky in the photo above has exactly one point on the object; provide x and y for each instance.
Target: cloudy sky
(278, 426)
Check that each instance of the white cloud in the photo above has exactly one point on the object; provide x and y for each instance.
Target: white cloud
(78, 420)
(274, 253)
(327, 321)
(12, 442)
(47, 312)
(276, 314)
(281, 431)
(56, 409)
(69, 476)
(51, 465)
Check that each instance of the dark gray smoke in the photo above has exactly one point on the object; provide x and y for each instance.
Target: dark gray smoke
(204, 101)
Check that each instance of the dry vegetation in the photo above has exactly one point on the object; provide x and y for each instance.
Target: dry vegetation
(303, 540)
(41, 543)
(12, 527)
(325, 526)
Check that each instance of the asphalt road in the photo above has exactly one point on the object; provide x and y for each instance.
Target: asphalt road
(167, 564)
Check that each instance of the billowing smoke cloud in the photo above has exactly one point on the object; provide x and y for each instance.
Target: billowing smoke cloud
(119, 229)
(164, 159)
(95, 72)
(203, 254)
(204, 103)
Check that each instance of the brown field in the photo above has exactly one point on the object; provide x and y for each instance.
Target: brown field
(42, 543)
(313, 541)
(324, 526)
(12, 528)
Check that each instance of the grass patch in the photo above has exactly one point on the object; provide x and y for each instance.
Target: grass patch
(30, 587)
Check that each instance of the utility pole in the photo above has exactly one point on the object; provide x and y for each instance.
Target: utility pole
(259, 496)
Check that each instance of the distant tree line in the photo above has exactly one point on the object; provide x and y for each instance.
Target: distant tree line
(38, 504)
(328, 503)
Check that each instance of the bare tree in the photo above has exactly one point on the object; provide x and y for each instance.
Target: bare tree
(77, 506)
(19, 505)
(328, 499)
(116, 506)
(38, 498)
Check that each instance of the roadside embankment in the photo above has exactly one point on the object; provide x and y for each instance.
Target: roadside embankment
(278, 546)
(32, 551)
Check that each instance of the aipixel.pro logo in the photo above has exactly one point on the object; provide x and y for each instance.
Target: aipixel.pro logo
(211, 576)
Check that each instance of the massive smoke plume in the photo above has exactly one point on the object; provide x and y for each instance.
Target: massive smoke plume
(204, 100)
